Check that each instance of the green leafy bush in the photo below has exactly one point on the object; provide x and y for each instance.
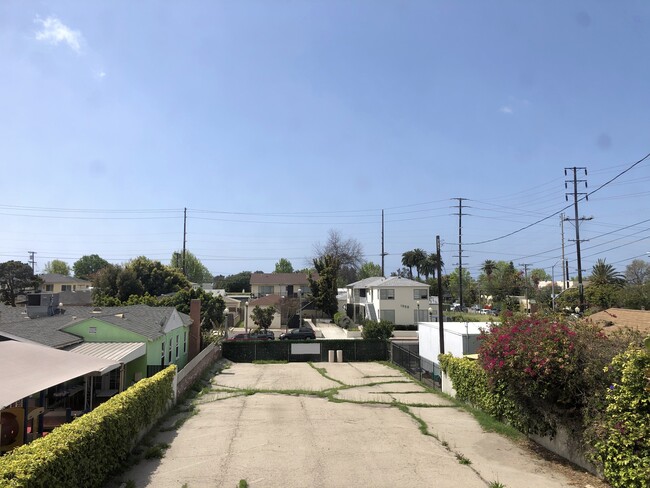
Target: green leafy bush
(377, 330)
(86, 451)
(623, 445)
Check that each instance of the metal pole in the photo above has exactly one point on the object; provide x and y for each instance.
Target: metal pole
(440, 317)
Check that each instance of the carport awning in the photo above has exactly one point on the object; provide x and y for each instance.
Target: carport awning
(122, 352)
(26, 369)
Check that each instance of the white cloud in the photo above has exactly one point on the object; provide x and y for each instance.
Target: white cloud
(100, 74)
(55, 32)
(506, 110)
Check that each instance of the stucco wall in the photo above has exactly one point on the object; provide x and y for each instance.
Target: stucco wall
(195, 368)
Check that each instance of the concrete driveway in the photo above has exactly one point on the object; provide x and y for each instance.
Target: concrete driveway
(334, 425)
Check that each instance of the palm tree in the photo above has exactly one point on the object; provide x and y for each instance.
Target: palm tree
(419, 258)
(430, 266)
(488, 268)
(605, 274)
(408, 260)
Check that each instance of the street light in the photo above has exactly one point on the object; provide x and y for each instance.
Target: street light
(246, 316)
(418, 316)
(430, 314)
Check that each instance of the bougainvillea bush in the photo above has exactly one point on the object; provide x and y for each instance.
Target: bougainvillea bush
(553, 368)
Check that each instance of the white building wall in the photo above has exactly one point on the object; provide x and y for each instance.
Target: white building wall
(457, 337)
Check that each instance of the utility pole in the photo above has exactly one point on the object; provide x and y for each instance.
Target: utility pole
(460, 249)
(184, 238)
(576, 222)
(564, 276)
(441, 320)
(525, 265)
(383, 253)
(31, 260)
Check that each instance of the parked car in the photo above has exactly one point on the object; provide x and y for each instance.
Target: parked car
(299, 334)
(254, 336)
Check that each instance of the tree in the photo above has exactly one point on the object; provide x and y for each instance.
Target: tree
(283, 266)
(195, 271)
(237, 283)
(56, 266)
(86, 266)
(156, 278)
(419, 259)
(605, 274)
(324, 289)
(263, 317)
(408, 261)
(212, 306)
(537, 275)
(128, 284)
(637, 272)
(369, 270)
(348, 253)
(15, 279)
(454, 284)
(105, 283)
(430, 266)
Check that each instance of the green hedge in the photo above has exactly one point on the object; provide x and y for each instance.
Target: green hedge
(471, 385)
(623, 447)
(86, 451)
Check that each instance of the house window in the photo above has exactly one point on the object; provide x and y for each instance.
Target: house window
(387, 315)
(49, 287)
(162, 354)
(360, 292)
(66, 287)
(184, 342)
(92, 330)
(176, 347)
(170, 350)
(420, 294)
(387, 294)
(266, 290)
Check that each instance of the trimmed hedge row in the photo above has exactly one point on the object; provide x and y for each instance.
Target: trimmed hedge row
(86, 451)
(471, 385)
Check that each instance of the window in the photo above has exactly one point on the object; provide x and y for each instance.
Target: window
(420, 294)
(92, 330)
(387, 294)
(162, 354)
(387, 315)
(66, 287)
(49, 287)
(170, 350)
(176, 347)
(266, 289)
(184, 342)
(360, 292)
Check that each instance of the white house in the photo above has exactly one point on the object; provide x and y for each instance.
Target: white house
(399, 300)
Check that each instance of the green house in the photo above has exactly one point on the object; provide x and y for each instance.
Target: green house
(160, 333)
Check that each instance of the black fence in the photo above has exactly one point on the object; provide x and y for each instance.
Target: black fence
(353, 350)
(153, 369)
(408, 357)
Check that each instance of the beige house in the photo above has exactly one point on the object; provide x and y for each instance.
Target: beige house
(57, 283)
(398, 300)
(281, 284)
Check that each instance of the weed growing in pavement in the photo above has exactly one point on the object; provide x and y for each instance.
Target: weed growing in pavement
(462, 459)
(129, 484)
(242, 484)
(323, 373)
(496, 484)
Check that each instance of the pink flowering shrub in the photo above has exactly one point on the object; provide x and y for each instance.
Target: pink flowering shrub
(538, 357)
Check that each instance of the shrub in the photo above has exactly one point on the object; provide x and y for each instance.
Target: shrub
(86, 451)
(623, 445)
(377, 330)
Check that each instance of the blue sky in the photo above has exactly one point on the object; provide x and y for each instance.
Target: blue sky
(273, 122)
